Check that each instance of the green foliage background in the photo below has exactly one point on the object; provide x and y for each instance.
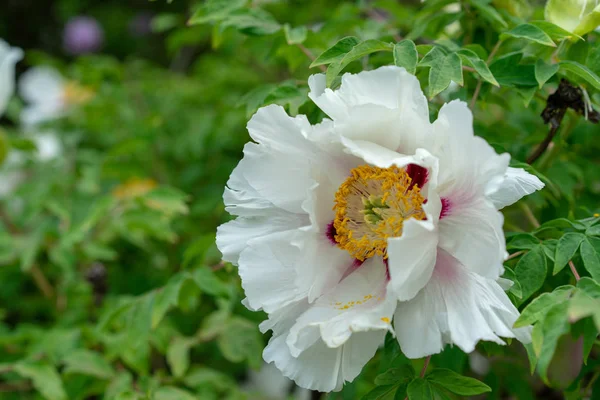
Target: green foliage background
(111, 286)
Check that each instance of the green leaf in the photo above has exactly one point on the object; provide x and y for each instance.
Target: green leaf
(554, 325)
(433, 57)
(215, 10)
(554, 31)
(295, 35)
(443, 73)
(396, 376)
(457, 383)
(419, 389)
(582, 71)
(45, 378)
(530, 32)
(172, 393)
(515, 289)
(167, 297)
(336, 52)
(593, 230)
(590, 258)
(522, 241)
(360, 50)
(590, 333)
(252, 21)
(213, 324)
(589, 287)
(471, 59)
(531, 271)
(88, 362)
(582, 305)
(387, 392)
(239, 341)
(544, 71)
(490, 14)
(208, 282)
(565, 250)
(509, 72)
(178, 355)
(406, 56)
(537, 309)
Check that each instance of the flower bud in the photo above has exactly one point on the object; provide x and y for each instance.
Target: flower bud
(577, 16)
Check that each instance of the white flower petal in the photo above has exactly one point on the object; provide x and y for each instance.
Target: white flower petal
(473, 234)
(358, 303)
(48, 145)
(9, 56)
(517, 184)
(319, 367)
(411, 258)
(390, 86)
(268, 273)
(233, 236)
(456, 307)
(469, 166)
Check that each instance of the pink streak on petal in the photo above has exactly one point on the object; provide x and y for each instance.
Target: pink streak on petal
(330, 233)
(446, 207)
(446, 267)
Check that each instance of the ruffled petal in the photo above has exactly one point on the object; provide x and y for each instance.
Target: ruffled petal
(233, 236)
(517, 184)
(456, 307)
(469, 166)
(9, 56)
(267, 269)
(318, 367)
(473, 234)
(389, 86)
(411, 258)
(385, 106)
(358, 303)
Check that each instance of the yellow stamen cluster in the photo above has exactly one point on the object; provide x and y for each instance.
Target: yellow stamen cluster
(371, 206)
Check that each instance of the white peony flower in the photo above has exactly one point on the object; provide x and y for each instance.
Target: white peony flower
(270, 384)
(48, 94)
(577, 16)
(374, 215)
(9, 56)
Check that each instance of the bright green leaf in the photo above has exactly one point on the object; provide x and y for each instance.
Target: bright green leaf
(582, 71)
(554, 31)
(45, 379)
(537, 309)
(178, 355)
(471, 59)
(173, 393)
(590, 258)
(405, 55)
(442, 74)
(530, 32)
(362, 49)
(544, 71)
(88, 362)
(554, 325)
(295, 35)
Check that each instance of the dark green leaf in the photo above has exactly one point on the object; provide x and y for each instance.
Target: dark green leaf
(336, 52)
(565, 250)
(396, 376)
(531, 271)
(509, 72)
(387, 392)
(419, 389)
(457, 383)
(490, 14)
(360, 50)
(405, 55)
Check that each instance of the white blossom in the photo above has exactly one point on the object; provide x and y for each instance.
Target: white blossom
(373, 215)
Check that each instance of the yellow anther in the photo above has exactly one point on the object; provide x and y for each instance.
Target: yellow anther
(371, 206)
(386, 320)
